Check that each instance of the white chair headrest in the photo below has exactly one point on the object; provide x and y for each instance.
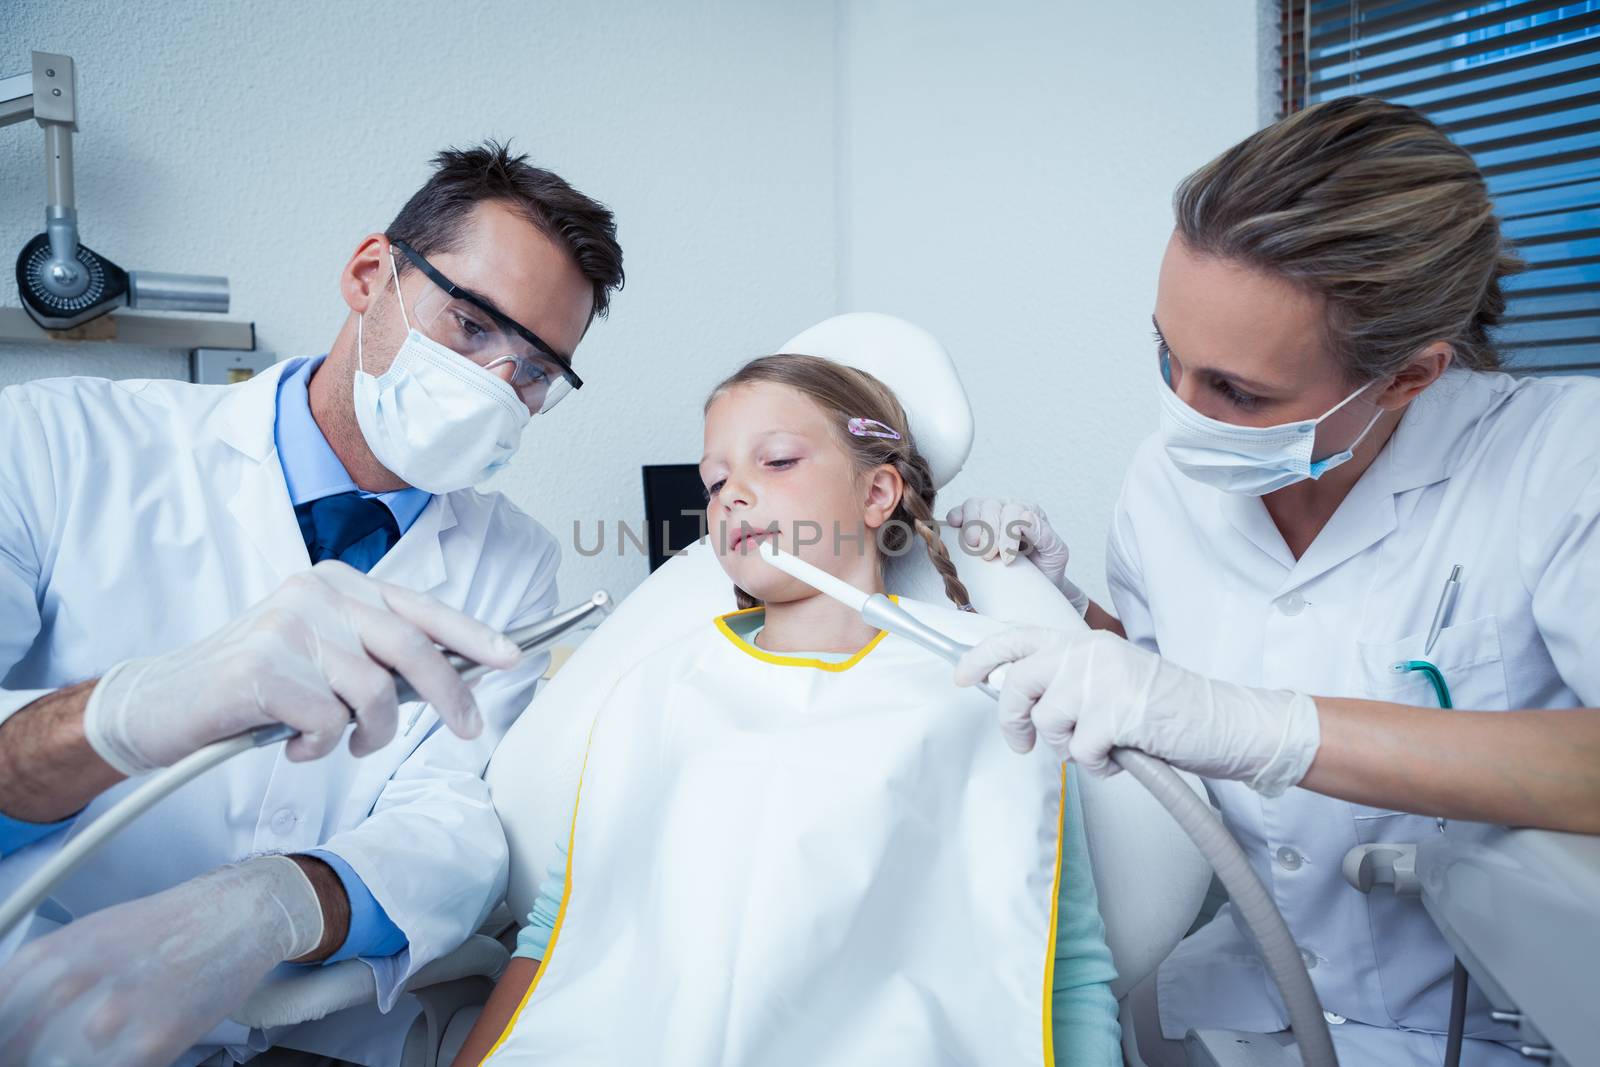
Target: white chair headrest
(912, 362)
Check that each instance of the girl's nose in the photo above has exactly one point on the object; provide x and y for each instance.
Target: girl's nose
(735, 495)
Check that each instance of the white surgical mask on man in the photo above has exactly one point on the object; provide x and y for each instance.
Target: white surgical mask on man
(1252, 460)
(435, 418)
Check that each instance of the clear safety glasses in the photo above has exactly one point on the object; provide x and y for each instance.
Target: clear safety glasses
(468, 324)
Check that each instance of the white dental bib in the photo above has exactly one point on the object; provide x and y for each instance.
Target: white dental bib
(776, 861)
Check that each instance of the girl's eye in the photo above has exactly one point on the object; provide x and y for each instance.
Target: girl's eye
(712, 490)
(782, 464)
(1243, 401)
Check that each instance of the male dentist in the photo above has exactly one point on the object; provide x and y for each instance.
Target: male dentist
(215, 558)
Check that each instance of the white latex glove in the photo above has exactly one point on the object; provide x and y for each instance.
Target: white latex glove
(1007, 528)
(314, 653)
(1087, 693)
(138, 983)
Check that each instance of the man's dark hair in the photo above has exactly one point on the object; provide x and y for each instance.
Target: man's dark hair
(435, 218)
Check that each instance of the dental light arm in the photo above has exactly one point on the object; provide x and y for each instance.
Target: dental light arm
(62, 282)
(536, 637)
(1249, 897)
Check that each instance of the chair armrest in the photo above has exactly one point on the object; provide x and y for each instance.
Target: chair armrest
(1237, 1048)
(313, 993)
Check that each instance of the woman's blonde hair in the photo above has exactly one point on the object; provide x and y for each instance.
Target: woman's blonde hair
(844, 393)
(1370, 206)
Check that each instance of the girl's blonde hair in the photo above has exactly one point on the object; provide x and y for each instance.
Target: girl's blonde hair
(845, 393)
(1370, 206)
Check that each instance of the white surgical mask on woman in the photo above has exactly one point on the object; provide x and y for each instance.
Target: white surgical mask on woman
(435, 418)
(1253, 460)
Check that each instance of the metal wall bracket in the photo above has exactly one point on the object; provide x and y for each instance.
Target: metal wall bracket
(221, 366)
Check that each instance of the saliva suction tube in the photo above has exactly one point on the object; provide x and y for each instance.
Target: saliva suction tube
(1249, 897)
(531, 639)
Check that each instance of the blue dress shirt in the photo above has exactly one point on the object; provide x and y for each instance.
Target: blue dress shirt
(311, 470)
(14, 833)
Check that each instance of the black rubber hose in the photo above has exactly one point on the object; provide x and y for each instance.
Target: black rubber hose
(1458, 1016)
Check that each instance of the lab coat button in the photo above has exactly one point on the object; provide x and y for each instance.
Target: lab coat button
(1310, 959)
(283, 821)
(1289, 859)
(1293, 604)
(1333, 1017)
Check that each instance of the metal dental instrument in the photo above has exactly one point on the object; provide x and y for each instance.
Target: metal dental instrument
(532, 638)
(1447, 605)
(1245, 891)
(62, 282)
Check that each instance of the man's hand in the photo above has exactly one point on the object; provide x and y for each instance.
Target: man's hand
(1087, 693)
(138, 983)
(315, 653)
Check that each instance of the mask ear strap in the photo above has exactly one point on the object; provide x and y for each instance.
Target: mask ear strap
(395, 270)
(1376, 415)
(1349, 398)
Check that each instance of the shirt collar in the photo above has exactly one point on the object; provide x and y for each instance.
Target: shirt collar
(1434, 433)
(310, 468)
(1426, 447)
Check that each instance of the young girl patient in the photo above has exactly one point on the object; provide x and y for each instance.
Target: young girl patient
(795, 841)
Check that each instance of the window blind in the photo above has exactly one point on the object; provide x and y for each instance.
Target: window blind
(1517, 83)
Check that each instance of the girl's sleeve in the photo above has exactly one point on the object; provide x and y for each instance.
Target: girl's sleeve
(1083, 1011)
(534, 938)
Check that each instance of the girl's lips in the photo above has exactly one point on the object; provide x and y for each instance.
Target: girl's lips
(748, 535)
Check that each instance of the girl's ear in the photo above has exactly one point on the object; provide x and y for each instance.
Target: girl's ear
(884, 489)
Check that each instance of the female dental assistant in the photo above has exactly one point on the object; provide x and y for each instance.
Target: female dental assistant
(1335, 441)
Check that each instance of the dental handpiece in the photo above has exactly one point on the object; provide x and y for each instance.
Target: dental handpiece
(535, 637)
(878, 610)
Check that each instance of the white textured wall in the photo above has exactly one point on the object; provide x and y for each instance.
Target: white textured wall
(262, 141)
(999, 172)
(1010, 170)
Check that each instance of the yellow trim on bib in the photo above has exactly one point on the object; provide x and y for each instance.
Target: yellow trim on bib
(561, 914)
(792, 661)
(1050, 951)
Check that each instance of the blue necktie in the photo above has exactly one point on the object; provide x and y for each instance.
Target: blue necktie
(347, 526)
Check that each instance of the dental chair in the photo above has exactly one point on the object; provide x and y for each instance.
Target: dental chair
(1150, 878)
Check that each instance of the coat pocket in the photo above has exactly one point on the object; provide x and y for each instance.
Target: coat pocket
(1468, 654)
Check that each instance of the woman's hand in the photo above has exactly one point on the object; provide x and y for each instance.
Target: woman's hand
(1008, 528)
(1088, 693)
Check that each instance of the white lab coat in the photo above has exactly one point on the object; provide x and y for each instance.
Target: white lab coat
(138, 516)
(1499, 475)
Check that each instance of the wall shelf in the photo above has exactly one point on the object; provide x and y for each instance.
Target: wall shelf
(132, 328)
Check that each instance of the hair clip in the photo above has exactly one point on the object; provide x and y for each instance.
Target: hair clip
(872, 428)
